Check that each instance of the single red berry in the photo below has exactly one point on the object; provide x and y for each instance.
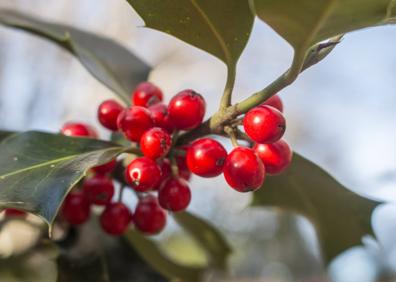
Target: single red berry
(160, 115)
(166, 172)
(76, 208)
(264, 124)
(98, 190)
(275, 101)
(108, 113)
(276, 157)
(115, 219)
(155, 143)
(134, 122)
(205, 157)
(243, 170)
(105, 168)
(149, 217)
(143, 174)
(14, 213)
(187, 110)
(174, 195)
(146, 94)
(78, 129)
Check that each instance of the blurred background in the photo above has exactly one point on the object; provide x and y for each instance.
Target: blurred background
(341, 115)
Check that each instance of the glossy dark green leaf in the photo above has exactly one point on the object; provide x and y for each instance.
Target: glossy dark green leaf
(220, 27)
(341, 218)
(108, 61)
(153, 255)
(209, 238)
(38, 169)
(306, 22)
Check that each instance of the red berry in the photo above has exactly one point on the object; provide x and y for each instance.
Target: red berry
(243, 170)
(149, 217)
(276, 157)
(14, 213)
(143, 174)
(108, 113)
(174, 195)
(76, 209)
(205, 157)
(98, 190)
(115, 219)
(134, 122)
(159, 113)
(275, 101)
(264, 124)
(186, 110)
(155, 143)
(77, 129)
(105, 168)
(146, 94)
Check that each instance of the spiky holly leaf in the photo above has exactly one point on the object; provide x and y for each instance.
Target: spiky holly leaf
(38, 169)
(341, 217)
(221, 28)
(112, 64)
(304, 23)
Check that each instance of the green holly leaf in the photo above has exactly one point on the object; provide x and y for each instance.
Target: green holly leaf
(208, 237)
(306, 22)
(341, 218)
(155, 257)
(112, 64)
(38, 169)
(221, 28)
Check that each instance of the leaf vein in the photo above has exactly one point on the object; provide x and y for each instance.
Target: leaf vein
(48, 163)
(215, 32)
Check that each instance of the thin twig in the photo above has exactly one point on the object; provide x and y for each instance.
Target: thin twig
(231, 133)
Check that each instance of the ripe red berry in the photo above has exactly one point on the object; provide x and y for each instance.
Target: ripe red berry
(105, 168)
(78, 129)
(76, 209)
(115, 219)
(275, 101)
(276, 157)
(108, 113)
(174, 195)
(98, 190)
(155, 143)
(243, 170)
(264, 124)
(149, 217)
(14, 213)
(143, 174)
(205, 157)
(186, 110)
(160, 115)
(146, 94)
(134, 122)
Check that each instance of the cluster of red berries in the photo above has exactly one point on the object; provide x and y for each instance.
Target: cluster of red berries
(160, 176)
(245, 168)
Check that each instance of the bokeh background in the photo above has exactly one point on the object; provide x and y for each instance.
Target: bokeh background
(341, 115)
